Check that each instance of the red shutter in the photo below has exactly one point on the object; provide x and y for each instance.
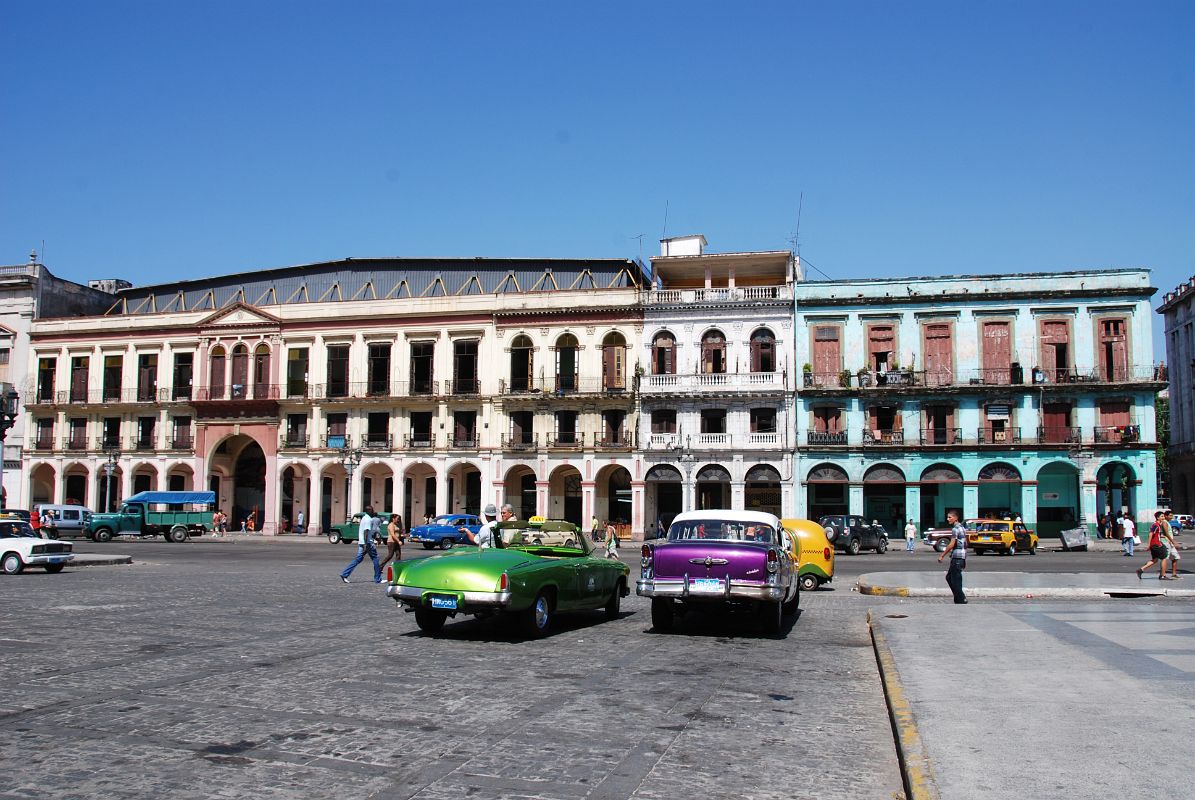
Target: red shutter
(997, 352)
(827, 357)
(939, 355)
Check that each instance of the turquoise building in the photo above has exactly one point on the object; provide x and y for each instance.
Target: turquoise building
(1020, 394)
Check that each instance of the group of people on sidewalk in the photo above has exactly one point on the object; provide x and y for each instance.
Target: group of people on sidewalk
(1162, 547)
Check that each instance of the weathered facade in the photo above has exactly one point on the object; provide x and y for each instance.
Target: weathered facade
(1178, 314)
(1026, 394)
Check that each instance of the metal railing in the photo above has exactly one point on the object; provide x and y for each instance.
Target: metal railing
(560, 386)
(1060, 434)
(520, 443)
(182, 441)
(614, 442)
(882, 437)
(419, 441)
(566, 441)
(336, 441)
(75, 443)
(737, 294)
(295, 441)
(1117, 434)
(1006, 436)
(376, 441)
(941, 436)
(144, 443)
(465, 442)
(825, 437)
(43, 443)
(238, 392)
(715, 382)
(462, 386)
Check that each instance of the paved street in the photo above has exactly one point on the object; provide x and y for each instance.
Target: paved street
(227, 670)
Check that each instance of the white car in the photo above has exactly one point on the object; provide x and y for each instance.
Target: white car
(21, 547)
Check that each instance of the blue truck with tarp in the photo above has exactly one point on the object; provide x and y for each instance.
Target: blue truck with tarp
(175, 516)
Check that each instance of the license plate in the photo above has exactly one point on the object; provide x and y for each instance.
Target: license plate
(444, 602)
(706, 584)
(57, 560)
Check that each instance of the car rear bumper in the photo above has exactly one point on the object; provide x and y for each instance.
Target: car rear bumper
(681, 589)
(47, 558)
(416, 596)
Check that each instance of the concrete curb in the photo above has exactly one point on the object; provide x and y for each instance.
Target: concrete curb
(90, 560)
(1037, 593)
(915, 767)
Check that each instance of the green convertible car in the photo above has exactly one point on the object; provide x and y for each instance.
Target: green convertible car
(518, 577)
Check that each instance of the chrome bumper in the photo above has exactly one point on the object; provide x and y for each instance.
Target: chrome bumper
(48, 558)
(681, 590)
(414, 596)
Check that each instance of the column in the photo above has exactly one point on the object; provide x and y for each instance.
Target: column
(442, 499)
(542, 489)
(970, 500)
(855, 499)
(638, 505)
(1087, 494)
(1029, 504)
(738, 495)
(356, 501)
(913, 506)
(589, 500)
(316, 499)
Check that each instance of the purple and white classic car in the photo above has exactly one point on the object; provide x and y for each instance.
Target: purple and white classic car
(726, 559)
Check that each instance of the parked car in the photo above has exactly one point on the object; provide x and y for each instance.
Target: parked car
(515, 577)
(850, 533)
(812, 551)
(938, 537)
(723, 560)
(172, 515)
(346, 532)
(1183, 522)
(70, 521)
(21, 546)
(17, 512)
(1003, 536)
(444, 531)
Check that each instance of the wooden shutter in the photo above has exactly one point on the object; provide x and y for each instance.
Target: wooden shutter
(997, 352)
(939, 355)
(827, 355)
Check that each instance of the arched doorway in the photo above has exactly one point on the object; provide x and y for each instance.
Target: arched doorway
(41, 484)
(762, 490)
(239, 460)
(419, 495)
(522, 364)
(1057, 498)
(999, 491)
(884, 497)
(377, 488)
(74, 485)
(464, 489)
(520, 491)
(1115, 489)
(713, 487)
(826, 491)
(108, 483)
(665, 495)
(612, 499)
(941, 491)
(145, 478)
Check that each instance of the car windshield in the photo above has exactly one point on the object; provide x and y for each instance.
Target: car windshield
(448, 521)
(726, 530)
(15, 529)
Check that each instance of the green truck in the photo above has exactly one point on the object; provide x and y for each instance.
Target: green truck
(155, 514)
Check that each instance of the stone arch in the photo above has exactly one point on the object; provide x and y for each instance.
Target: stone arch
(76, 477)
(238, 462)
(421, 489)
(294, 497)
(884, 496)
(712, 487)
(565, 497)
(826, 491)
(941, 493)
(464, 487)
(663, 496)
(42, 479)
(520, 490)
(762, 490)
(612, 495)
(999, 490)
(1058, 497)
(713, 351)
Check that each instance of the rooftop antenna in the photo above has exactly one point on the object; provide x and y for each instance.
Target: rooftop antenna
(665, 234)
(639, 236)
(795, 239)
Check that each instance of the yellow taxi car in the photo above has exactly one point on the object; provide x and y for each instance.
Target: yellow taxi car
(812, 551)
(1000, 535)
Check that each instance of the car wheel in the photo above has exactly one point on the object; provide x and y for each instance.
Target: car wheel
(429, 620)
(662, 614)
(1033, 550)
(569, 543)
(429, 546)
(940, 546)
(537, 542)
(54, 568)
(808, 583)
(12, 564)
(771, 617)
(333, 538)
(177, 534)
(615, 601)
(882, 547)
(1012, 549)
(447, 542)
(852, 547)
(537, 619)
(103, 535)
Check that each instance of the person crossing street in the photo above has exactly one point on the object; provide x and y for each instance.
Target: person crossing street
(367, 532)
(958, 557)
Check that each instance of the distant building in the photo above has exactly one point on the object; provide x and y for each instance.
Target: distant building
(1178, 313)
(1029, 394)
(29, 292)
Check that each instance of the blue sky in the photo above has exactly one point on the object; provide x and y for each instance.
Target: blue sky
(161, 140)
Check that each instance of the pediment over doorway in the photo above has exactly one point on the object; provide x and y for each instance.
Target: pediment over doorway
(240, 315)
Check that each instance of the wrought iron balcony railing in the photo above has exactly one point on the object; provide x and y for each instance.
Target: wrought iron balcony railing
(941, 436)
(825, 437)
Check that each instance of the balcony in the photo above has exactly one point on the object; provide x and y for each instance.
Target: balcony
(873, 438)
(761, 439)
(737, 294)
(296, 440)
(75, 443)
(560, 386)
(362, 390)
(941, 436)
(376, 442)
(466, 442)
(614, 441)
(825, 437)
(336, 441)
(238, 392)
(826, 380)
(182, 440)
(99, 396)
(421, 440)
(1064, 434)
(107, 443)
(713, 439)
(1006, 436)
(566, 441)
(522, 443)
(714, 383)
(663, 441)
(144, 443)
(461, 386)
(43, 443)
(1118, 434)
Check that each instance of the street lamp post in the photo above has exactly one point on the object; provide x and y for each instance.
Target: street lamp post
(9, 402)
(109, 469)
(350, 458)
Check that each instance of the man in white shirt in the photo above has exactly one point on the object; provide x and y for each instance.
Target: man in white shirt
(487, 536)
(367, 531)
(1128, 533)
(910, 536)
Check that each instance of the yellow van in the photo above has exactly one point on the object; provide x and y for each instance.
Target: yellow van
(815, 553)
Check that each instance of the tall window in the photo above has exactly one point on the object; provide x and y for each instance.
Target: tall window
(614, 427)
(566, 427)
(827, 419)
(763, 351)
(421, 428)
(111, 437)
(881, 347)
(663, 354)
(45, 433)
(296, 372)
(184, 364)
(1056, 423)
(78, 440)
(378, 429)
(379, 370)
(337, 431)
(296, 430)
(713, 352)
(827, 355)
(261, 372)
(338, 370)
(939, 354)
(46, 367)
(464, 428)
(1055, 350)
(147, 376)
(422, 376)
(663, 421)
(464, 367)
(566, 363)
(763, 420)
(113, 370)
(181, 439)
(713, 421)
(997, 352)
(216, 381)
(522, 364)
(1114, 354)
(240, 372)
(522, 427)
(614, 360)
(79, 368)
(146, 433)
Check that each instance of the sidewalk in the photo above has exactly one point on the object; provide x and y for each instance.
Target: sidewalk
(998, 701)
(1028, 585)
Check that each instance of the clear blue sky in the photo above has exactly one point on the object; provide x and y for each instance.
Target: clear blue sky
(162, 140)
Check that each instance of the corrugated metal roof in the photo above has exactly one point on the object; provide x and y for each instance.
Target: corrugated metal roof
(381, 278)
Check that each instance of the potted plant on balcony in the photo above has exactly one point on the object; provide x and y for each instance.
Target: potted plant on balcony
(844, 379)
(865, 378)
(807, 374)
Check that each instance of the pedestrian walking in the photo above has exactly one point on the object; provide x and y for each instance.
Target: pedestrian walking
(611, 540)
(1171, 544)
(660, 533)
(1157, 549)
(367, 531)
(300, 522)
(595, 528)
(958, 557)
(910, 536)
(393, 539)
(1128, 534)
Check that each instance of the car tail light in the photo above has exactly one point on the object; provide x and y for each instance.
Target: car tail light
(647, 553)
(503, 583)
(389, 573)
(826, 553)
(773, 561)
